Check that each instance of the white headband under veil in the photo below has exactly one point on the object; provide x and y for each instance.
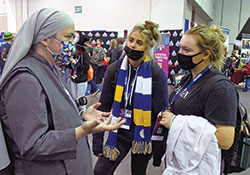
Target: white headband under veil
(41, 25)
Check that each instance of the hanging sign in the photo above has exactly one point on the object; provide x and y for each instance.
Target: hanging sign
(161, 52)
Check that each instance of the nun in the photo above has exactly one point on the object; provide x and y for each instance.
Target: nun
(41, 125)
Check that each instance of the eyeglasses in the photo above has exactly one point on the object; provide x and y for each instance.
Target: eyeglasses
(68, 38)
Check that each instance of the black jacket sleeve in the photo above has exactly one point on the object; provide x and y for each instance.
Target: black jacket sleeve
(159, 102)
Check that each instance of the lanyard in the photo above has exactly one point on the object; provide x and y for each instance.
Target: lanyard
(181, 92)
(61, 83)
(130, 89)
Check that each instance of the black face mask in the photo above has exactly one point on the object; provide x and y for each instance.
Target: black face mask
(133, 54)
(185, 61)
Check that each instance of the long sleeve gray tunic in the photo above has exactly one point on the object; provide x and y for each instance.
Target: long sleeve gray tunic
(40, 122)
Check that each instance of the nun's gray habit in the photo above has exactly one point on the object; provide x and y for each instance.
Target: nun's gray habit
(40, 120)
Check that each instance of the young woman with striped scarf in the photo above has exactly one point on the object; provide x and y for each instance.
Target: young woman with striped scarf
(136, 87)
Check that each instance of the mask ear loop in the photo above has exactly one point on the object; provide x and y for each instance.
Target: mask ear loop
(198, 54)
(49, 50)
(55, 39)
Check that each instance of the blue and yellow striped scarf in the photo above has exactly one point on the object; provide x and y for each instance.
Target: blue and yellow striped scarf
(141, 110)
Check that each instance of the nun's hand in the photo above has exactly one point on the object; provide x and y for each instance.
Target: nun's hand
(98, 125)
(102, 125)
(93, 114)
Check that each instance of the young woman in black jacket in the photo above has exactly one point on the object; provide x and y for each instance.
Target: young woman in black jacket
(81, 66)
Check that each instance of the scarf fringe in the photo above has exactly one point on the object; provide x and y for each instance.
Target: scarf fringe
(139, 147)
(111, 153)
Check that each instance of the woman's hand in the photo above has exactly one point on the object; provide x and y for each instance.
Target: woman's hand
(166, 118)
(92, 113)
(97, 121)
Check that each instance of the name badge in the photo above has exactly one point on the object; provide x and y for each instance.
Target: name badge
(126, 114)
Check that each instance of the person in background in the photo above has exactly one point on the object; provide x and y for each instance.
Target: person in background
(228, 67)
(201, 52)
(247, 74)
(117, 52)
(43, 128)
(112, 46)
(89, 47)
(136, 87)
(238, 75)
(81, 67)
(94, 89)
(236, 58)
(98, 56)
(4, 48)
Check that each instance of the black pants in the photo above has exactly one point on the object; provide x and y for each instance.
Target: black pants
(139, 162)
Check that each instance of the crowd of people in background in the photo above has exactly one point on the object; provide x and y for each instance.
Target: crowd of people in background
(234, 66)
(237, 67)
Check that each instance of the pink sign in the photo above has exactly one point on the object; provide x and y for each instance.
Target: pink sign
(161, 52)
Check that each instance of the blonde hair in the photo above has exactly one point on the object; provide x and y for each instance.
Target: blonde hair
(210, 39)
(113, 44)
(150, 32)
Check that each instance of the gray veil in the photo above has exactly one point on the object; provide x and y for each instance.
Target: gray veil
(39, 26)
